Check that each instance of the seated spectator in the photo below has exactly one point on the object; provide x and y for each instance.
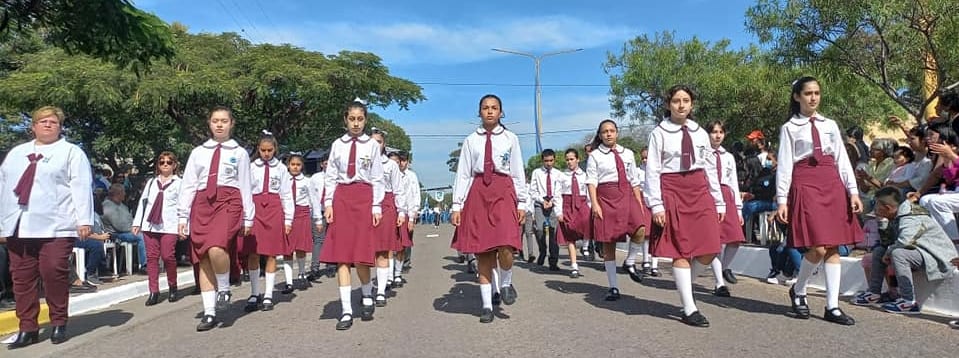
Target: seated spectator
(118, 221)
(876, 171)
(854, 136)
(785, 263)
(944, 201)
(916, 140)
(76, 284)
(920, 245)
(905, 160)
(875, 268)
(93, 249)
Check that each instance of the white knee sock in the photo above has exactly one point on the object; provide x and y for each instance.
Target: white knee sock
(397, 268)
(507, 277)
(717, 265)
(684, 285)
(287, 273)
(729, 253)
(646, 257)
(223, 282)
(496, 280)
(366, 289)
(382, 279)
(655, 262)
(300, 266)
(632, 253)
(486, 291)
(209, 302)
(611, 273)
(802, 280)
(270, 284)
(833, 272)
(391, 267)
(346, 300)
(255, 289)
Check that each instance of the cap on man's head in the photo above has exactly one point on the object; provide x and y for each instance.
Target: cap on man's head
(756, 134)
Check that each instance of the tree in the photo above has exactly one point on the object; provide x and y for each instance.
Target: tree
(889, 44)
(395, 135)
(299, 95)
(454, 160)
(111, 30)
(744, 88)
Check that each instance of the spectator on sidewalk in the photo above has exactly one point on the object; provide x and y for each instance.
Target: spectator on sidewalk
(118, 221)
(94, 254)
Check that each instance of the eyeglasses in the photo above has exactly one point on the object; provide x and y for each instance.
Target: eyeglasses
(165, 162)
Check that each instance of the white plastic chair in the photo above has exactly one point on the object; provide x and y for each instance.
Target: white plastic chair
(107, 246)
(128, 251)
(80, 262)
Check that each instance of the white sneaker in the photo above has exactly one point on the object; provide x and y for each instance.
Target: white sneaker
(791, 281)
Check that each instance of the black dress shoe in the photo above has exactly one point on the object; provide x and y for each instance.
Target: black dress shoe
(380, 300)
(267, 304)
(613, 294)
(836, 315)
(288, 289)
(174, 296)
(59, 334)
(540, 261)
(530, 259)
(24, 339)
(345, 322)
(799, 305)
(574, 274)
(252, 304)
(633, 274)
(729, 276)
(486, 316)
(207, 323)
(223, 300)
(508, 295)
(554, 267)
(153, 299)
(496, 299)
(721, 291)
(366, 312)
(696, 320)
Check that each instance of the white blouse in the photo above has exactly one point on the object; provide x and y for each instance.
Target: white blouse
(171, 196)
(507, 159)
(795, 144)
(369, 168)
(393, 183)
(411, 199)
(728, 176)
(279, 183)
(317, 196)
(601, 166)
(233, 171)
(566, 186)
(61, 198)
(665, 157)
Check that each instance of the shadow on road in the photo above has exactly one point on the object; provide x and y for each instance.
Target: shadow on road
(630, 305)
(83, 324)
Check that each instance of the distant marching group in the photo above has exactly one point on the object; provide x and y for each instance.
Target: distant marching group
(685, 205)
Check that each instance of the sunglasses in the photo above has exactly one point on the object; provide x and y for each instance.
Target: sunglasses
(165, 162)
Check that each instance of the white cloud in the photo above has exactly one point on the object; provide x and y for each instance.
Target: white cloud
(417, 42)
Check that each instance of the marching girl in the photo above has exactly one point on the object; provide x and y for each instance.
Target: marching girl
(411, 202)
(574, 218)
(354, 194)
(616, 197)
(216, 202)
(489, 197)
(318, 197)
(157, 211)
(300, 238)
(273, 221)
(685, 198)
(387, 234)
(731, 229)
(637, 243)
(813, 172)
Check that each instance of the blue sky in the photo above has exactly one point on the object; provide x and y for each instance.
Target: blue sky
(445, 44)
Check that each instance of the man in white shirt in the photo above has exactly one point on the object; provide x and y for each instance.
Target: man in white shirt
(542, 185)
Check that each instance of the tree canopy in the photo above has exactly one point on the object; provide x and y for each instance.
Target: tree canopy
(298, 95)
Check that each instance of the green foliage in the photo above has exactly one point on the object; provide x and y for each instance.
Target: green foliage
(296, 94)
(882, 42)
(111, 30)
(454, 160)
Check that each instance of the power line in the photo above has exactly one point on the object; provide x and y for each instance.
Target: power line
(243, 15)
(235, 21)
(265, 15)
(477, 84)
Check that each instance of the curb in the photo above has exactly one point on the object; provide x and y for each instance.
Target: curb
(96, 300)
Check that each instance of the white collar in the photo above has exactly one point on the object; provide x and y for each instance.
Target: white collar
(230, 144)
(496, 131)
(801, 120)
(363, 138)
(721, 149)
(273, 162)
(668, 125)
(602, 148)
(299, 177)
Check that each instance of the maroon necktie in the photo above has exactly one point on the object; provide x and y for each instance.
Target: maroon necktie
(488, 159)
(620, 171)
(816, 142)
(266, 178)
(575, 190)
(351, 167)
(156, 212)
(214, 172)
(686, 160)
(294, 191)
(719, 167)
(25, 185)
(549, 184)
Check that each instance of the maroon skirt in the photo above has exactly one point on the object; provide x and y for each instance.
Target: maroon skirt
(349, 238)
(578, 222)
(730, 231)
(301, 237)
(622, 214)
(268, 226)
(406, 236)
(387, 238)
(692, 223)
(489, 218)
(819, 208)
(216, 223)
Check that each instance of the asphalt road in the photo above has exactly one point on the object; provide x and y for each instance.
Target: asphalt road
(436, 315)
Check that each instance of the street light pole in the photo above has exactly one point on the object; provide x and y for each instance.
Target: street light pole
(539, 89)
